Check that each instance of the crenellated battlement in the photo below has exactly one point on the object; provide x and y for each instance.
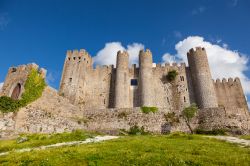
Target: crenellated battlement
(227, 81)
(145, 84)
(122, 53)
(77, 55)
(168, 66)
(27, 68)
(145, 53)
(196, 51)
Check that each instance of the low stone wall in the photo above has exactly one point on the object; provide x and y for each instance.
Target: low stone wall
(235, 120)
(116, 119)
(52, 113)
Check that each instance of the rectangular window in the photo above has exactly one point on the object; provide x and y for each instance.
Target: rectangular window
(134, 82)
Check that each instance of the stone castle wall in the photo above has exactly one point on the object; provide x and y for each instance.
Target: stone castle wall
(17, 76)
(230, 93)
(109, 87)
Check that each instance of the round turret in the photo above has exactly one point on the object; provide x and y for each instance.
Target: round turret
(145, 78)
(122, 80)
(201, 77)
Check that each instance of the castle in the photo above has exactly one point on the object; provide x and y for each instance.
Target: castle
(108, 98)
(131, 86)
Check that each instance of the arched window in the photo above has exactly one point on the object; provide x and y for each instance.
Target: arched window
(16, 92)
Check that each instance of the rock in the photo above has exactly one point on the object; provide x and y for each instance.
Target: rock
(21, 139)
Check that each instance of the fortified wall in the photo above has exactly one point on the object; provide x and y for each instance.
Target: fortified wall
(15, 80)
(124, 86)
(230, 93)
(146, 85)
(106, 98)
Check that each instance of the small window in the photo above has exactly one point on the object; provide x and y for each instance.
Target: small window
(70, 79)
(133, 82)
(184, 99)
(79, 58)
(13, 70)
(182, 78)
(69, 59)
(74, 58)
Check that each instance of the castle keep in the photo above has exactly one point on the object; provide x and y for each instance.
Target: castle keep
(147, 85)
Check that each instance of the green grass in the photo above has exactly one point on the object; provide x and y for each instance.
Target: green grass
(175, 149)
(245, 137)
(35, 140)
(147, 110)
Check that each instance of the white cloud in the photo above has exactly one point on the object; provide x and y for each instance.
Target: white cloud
(223, 62)
(1, 85)
(133, 51)
(168, 58)
(107, 55)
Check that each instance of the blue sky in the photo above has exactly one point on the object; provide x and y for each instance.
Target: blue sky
(41, 31)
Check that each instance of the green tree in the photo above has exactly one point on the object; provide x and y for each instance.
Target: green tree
(188, 114)
(172, 75)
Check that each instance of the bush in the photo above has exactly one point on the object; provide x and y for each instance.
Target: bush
(211, 132)
(7, 104)
(34, 87)
(146, 110)
(172, 75)
(188, 113)
(136, 130)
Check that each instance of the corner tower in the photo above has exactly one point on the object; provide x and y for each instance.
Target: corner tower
(75, 65)
(145, 78)
(204, 90)
(122, 80)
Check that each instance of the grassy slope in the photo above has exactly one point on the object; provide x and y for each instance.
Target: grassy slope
(247, 137)
(139, 150)
(35, 140)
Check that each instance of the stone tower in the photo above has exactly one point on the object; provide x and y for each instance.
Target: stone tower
(122, 80)
(16, 78)
(73, 74)
(204, 90)
(145, 78)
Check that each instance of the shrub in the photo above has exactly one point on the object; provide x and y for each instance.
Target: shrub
(34, 87)
(136, 130)
(146, 110)
(7, 104)
(188, 113)
(172, 75)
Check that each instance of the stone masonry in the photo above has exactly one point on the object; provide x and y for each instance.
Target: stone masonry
(14, 82)
(108, 99)
(131, 86)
